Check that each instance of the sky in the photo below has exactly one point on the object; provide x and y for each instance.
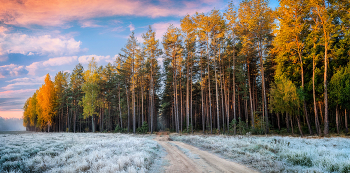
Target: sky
(40, 37)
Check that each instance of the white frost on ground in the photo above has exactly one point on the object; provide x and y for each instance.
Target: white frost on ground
(83, 152)
(278, 154)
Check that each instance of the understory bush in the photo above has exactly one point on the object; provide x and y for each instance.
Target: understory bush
(143, 129)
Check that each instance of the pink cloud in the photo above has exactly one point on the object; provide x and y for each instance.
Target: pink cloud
(16, 93)
(89, 24)
(11, 114)
(132, 27)
(12, 100)
(58, 12)
(161, 28)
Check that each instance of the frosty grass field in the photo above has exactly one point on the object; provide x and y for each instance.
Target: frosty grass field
(107, 152)
(278, 154)
(83, 152)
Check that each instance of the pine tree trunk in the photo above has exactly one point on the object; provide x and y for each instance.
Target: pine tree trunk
(326, 122)
(278, 121)
(291, 124)
(59, 120)
(234, 91)
(321, 112)
(191, 111)
(221, 92)
(264, 90)
(143, 119)
(216, 94)
(211, 121)
(151, 96)
(109, 117)
(246, 112)
(337, 117)
(302, 86)
(287, 123)
(75, 115)
(318, 129)
(299, 126)
(202, 99)
(101, 128)
(187, 96)
(346, 123)
(181, 102)
(67, 119)
(133, 106)
(250, 98)
(127, 100)
(120, 111)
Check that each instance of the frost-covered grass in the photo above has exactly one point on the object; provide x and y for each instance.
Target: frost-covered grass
(84, 152)
(278, 154)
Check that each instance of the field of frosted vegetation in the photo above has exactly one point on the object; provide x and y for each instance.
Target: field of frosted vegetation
(278, 154)
(84, 152)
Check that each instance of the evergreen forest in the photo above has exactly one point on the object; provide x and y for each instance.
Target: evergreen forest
(245, 69)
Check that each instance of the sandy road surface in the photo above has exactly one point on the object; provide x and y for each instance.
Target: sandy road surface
(203, 162)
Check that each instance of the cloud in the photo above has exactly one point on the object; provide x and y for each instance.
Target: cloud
(161, 27)
(33, 67)
(87, 58)
(59, 12)
(3, 29)
(132, 27)
(65, 60)
(118, 29)
(17, 93)
(24, 82)
(37, 44)
(58, 61)
(12, 70)
(89, 24)
(13, 114)
(14, 99)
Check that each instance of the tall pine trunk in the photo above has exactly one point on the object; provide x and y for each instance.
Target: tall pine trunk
(250, 98)
(202, 98)
(346, 123)
(233, 90)
(326, 122)
(133, 100)
(120, 111)
(337, 117)
(211, 124)
(264, 89)
(318, 129)
(299, 126)
(127, 100)
(302, 86)
(216, 94)
(187, 96)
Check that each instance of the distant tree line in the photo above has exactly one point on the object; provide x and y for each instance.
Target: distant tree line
(249, 68)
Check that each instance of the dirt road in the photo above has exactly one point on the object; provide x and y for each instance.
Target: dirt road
(186, 158)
